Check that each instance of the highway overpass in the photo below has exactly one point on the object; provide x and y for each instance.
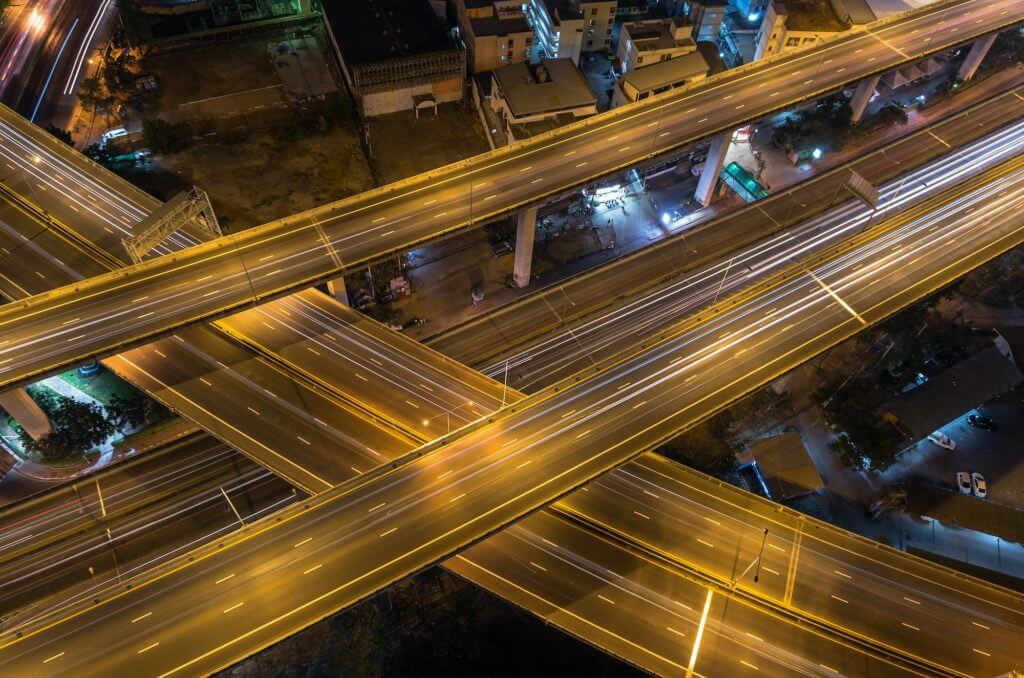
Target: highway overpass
(112, 312)
(384, 526)
(281, 315)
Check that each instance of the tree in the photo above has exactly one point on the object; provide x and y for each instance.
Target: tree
(163, 137)
(77, 427)
(706, 447)
(62, 134)
(135, 411)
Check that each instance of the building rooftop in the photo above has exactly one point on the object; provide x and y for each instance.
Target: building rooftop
(562, 10)
(665, 73)
(854, 12)
(785, 465)
(496, 26)
(385, 29)
(657, 34)
(812, 15)
(565, 87)
(952, 393)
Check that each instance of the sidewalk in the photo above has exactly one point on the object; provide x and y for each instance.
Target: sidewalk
(444, 273)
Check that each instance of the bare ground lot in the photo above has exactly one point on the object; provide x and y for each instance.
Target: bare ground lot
(403, 146)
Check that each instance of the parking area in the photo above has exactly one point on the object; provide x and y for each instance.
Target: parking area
(996, 455)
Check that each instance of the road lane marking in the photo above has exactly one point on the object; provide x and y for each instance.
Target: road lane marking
(542, 569)
(841, 600)
(56, 656)
(141, 617)
(224, 579)
(607, 600)
(911, 600)
(941, 141)
(981, 626)
(314, 568)
(700, 634)
(149, 647)
(393, 529)
(842, 574)
(910, 626)
(300, 543)
(746, 663)
(645, 517)
(233, 607)
(380, 505)
(837, 297)
(706, 543)
(981, 652)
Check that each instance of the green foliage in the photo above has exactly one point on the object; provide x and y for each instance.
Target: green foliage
(829, 126)
(61, 134)
(77, 426)
(706, 447)
(1007, 50)
(163, 137)
(94, 97)
(135, 411)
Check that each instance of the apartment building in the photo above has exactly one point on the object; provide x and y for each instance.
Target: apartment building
(783, 30)
(642, 43)
(496, 32)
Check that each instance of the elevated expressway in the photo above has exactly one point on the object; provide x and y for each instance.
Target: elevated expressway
(363, 535)
(497, 581)
(114, 311)
(630, 634)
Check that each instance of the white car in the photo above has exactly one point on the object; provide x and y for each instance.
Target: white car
(979, 486)
(942, 440)
(963, 481)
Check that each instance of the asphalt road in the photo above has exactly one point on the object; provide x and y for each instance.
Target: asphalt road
(112, 312)
(57, 547)
(564, 314)
(353, 541)
(45, 56)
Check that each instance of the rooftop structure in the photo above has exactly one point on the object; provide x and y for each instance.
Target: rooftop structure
(496, 32)
(393, 50)
(660, 77)
(642, 43)
(784, 466)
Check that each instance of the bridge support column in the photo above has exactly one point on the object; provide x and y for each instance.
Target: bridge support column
(974, 58)
(526, 228)
(336, 288)
(862, 96)
(26, 412)
(712, 167)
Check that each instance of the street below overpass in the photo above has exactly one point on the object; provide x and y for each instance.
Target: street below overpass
(112, 312)
(354, 540)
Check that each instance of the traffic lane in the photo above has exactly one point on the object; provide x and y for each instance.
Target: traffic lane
(602, 335)
(121, 547)
(500, 335)
(330, 244)
(307, 436)
(823, 549)
(638, 610)
(441, 501)
(826, 583)
(65, 183)
(69, 509)
(361, 361)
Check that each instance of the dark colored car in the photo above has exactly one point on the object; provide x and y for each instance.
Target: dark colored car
(978, 421)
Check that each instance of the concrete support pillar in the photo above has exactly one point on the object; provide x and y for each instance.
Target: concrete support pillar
(336, 288)
(862, 96)
(26, 412)
(526, 228)
(978, 51)
(712, 168)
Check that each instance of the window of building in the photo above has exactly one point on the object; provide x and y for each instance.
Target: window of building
(808, 40)
(792, 42)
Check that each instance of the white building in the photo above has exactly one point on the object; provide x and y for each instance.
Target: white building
(642, 43)
(660, 77)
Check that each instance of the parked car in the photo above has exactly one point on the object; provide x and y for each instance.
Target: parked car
(979, 486)
(501, 248)
(982, 422)
(963, 481)
(942, 440)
